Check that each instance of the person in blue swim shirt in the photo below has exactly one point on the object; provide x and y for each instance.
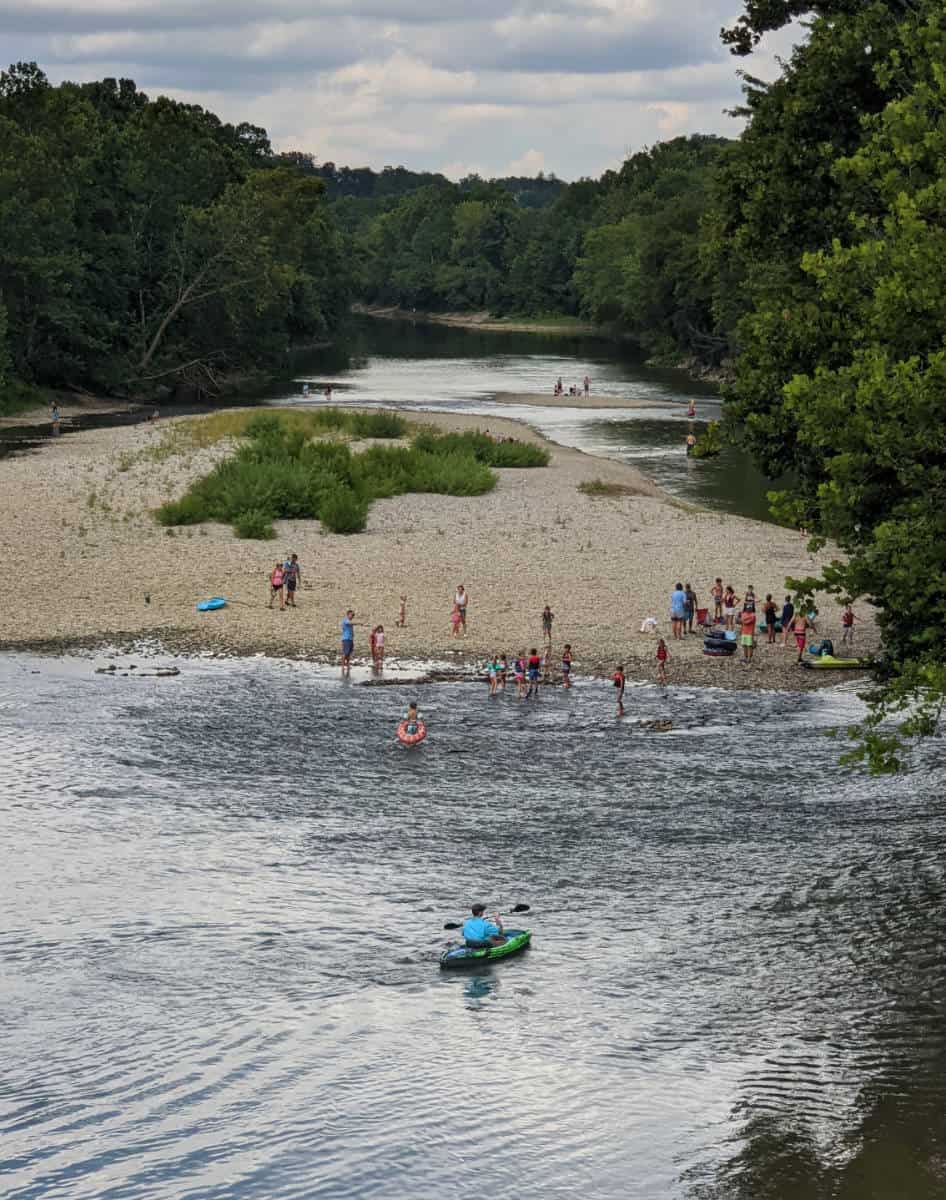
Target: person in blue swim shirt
(478, 932)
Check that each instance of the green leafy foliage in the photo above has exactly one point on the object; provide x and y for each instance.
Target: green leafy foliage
(279, 473)
(145, 242)
(842, 375)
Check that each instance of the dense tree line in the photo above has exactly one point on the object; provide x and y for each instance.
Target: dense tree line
(623, 250)
(145, 241)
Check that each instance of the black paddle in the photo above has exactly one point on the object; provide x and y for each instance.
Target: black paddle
(519, 908)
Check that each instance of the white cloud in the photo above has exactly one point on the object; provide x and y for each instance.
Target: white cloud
(508, 85)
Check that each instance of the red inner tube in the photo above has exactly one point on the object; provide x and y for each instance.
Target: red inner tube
(411, 739)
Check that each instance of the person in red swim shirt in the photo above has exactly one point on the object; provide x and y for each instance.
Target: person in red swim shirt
(747, 623)
(534, 667)
(620, 682)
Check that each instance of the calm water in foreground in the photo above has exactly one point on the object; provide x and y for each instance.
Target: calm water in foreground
(220, 915)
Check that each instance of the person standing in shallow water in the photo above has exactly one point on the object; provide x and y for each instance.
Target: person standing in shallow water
(348, 639)
(620, 682)
(547, 618)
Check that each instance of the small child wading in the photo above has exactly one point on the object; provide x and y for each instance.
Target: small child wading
(567, 665)
(663, 657)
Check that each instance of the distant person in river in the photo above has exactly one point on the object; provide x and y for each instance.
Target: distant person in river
(276, 579)
(519, 671)
(412, 717)
(56, 417)
(586, 383)
(663, 657)
(328, 393)
(691, 409)
(479, 933)
(534, 667)
(620, 682)
(348, 638)
(691, 443)
(567, 665)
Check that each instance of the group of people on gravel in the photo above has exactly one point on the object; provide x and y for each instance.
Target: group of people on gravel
(742, 613)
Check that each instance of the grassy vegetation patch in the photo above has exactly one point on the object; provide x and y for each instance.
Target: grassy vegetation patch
(599, 488)
(279, 472)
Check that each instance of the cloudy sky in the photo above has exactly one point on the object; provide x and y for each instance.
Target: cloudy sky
(493, 86)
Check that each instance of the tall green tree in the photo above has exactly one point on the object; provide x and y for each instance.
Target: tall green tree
(842, 379)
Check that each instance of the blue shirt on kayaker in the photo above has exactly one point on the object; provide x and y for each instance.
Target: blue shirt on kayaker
(477, 929)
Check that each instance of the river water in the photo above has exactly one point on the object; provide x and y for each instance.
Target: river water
(221, 910)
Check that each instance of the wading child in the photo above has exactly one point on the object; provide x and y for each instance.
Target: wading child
(567, 665)
(620, 682)
(547, 618)
(534, 667)
(520, 672)
(379, 647)
(663, 657)
(503, 670)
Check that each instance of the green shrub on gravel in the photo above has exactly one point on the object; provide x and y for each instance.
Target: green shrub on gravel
(253, 524)
(484, 449)
(278, 473)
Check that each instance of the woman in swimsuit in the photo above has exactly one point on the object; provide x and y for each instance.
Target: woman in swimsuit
(771, 616)
(275, 586)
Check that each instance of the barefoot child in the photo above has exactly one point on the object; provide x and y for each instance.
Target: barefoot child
(663, 657)
(534, 666)
(619, 683)
(520, 672)
(567, 665)
(455, 619)
(379, 647)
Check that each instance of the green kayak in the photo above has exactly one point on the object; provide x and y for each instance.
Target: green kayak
(463, 956)
(827, 662)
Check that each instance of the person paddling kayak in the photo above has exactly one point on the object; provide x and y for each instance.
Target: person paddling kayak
(478, 932)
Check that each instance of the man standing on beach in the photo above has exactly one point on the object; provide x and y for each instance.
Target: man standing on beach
(348, 638)
(292, 577)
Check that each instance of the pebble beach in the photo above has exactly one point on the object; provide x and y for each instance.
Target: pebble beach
(87, 564)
